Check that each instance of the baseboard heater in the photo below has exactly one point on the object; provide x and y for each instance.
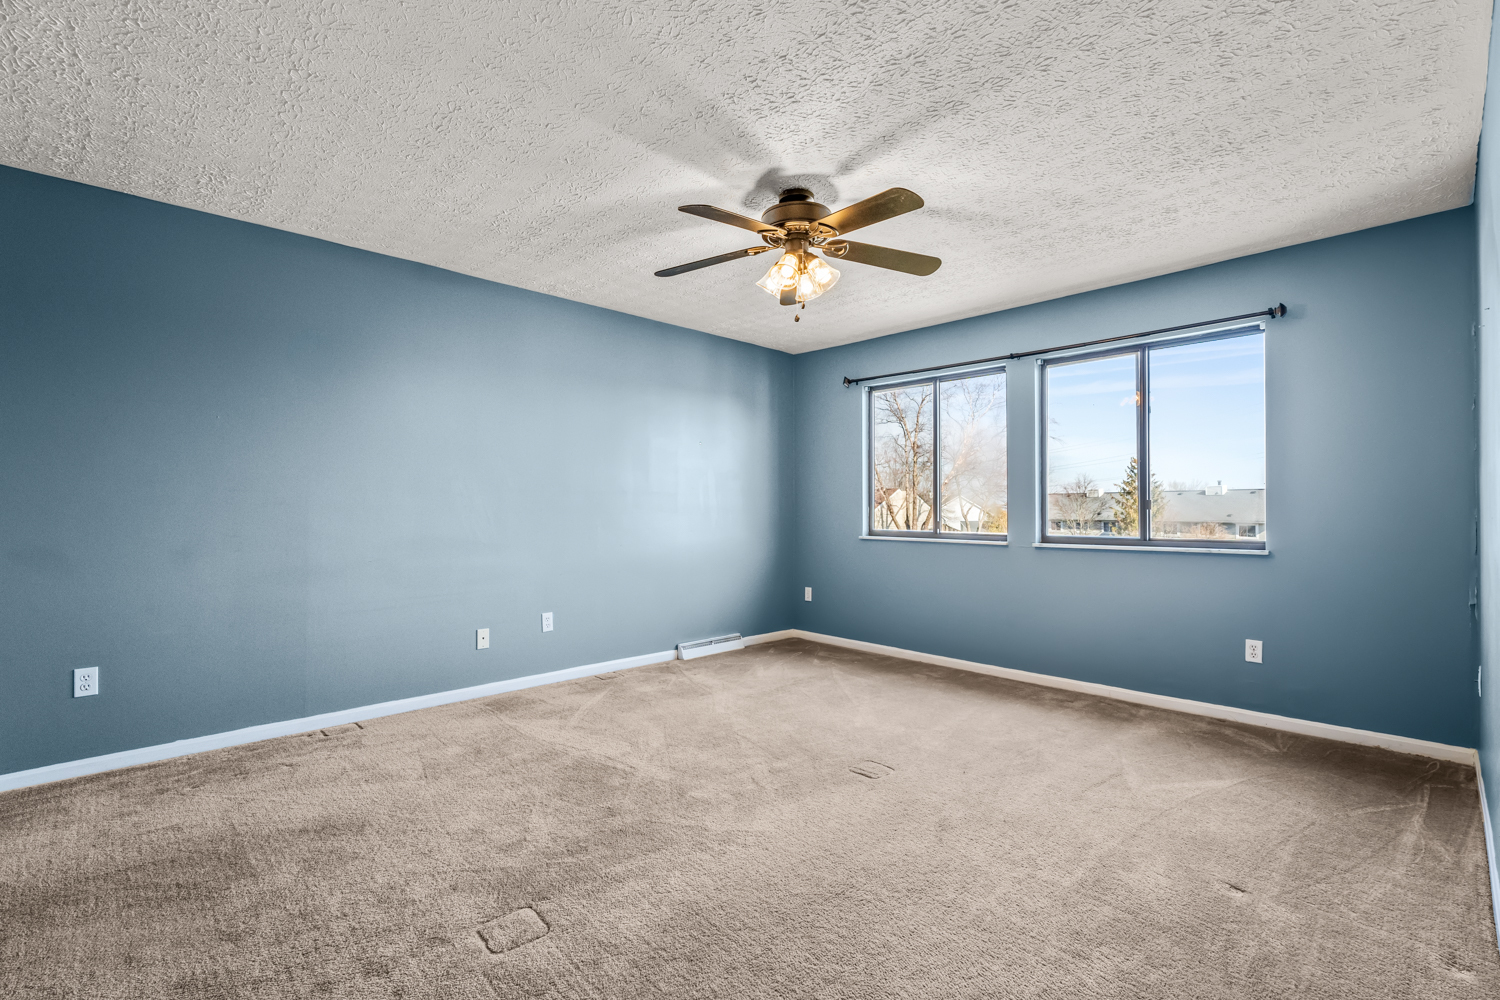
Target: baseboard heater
(702, 647)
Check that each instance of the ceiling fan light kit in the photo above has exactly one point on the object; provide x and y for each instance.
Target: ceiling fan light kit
(806, 274)
(797, 225)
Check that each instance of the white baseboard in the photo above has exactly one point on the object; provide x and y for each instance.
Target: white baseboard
(1489, 850)
(253, 734)
(1401, 744)
(786, 633)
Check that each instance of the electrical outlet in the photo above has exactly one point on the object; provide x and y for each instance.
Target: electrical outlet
(546, 621)
(1253, 651)
(807, 593)
(482, 639)
(85, 682)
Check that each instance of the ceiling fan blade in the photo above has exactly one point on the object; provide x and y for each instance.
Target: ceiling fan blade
(895, 260)
(710, 261)
(876, 208)
(789, 296)
(729, 218)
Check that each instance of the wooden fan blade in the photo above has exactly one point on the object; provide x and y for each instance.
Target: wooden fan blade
(789, 296)
(876, 208)
(710, 261)
(895, 260)
(729, 218)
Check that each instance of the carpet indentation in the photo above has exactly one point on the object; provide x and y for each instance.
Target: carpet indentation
(344, 730)
(509, 932)
(872, 769)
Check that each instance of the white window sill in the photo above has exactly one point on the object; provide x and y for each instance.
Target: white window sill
(940, 541)
(1151, 548)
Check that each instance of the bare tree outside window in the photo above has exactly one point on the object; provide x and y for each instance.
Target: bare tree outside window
(973, 460)
(938, 456)
(1078, 507)
(901, 458)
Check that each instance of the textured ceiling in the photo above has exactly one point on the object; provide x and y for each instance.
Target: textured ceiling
(1059, 145)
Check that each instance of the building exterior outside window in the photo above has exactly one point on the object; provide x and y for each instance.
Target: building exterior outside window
(1162, 444)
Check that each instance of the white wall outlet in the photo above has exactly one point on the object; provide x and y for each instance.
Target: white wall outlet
(546, 621)
(807, 593)
(85, 682)
(482, 639)
(1253, 651)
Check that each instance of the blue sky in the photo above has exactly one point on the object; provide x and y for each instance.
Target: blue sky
(1207, 415)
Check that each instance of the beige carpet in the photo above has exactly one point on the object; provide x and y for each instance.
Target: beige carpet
(790, 821)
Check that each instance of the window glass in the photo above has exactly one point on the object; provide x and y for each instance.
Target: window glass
(901, 435)
(1208, 440)
(1091, 447)
(972, 460)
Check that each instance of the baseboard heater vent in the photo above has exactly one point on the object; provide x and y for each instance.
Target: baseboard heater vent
(702, 647)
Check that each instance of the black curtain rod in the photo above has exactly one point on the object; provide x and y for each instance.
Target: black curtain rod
(1274, 312)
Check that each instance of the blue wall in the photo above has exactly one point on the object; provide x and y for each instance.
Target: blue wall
(1363, 604)
(255, 476)
(1487, 207)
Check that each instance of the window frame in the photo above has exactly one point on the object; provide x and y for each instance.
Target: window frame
(868, 529)
(1142, 540)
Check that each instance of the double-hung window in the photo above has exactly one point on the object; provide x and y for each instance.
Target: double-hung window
(937, 457)
(1158, 445)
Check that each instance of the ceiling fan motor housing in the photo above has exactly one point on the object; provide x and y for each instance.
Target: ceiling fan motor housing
(796, 205)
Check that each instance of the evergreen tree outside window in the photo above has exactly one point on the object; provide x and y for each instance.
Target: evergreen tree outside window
(1158, 445)
(1127, 502)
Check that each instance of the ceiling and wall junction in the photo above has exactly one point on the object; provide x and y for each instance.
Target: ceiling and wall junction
(1060, 146)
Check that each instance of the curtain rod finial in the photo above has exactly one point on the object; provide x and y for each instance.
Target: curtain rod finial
(1278, 310)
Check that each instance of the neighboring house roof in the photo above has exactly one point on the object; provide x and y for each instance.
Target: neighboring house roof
(1238, 506)
(1201, 506)
(955, 508)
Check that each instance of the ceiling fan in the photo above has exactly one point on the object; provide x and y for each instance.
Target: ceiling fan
(797, 225)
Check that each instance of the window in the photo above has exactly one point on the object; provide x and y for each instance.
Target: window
(937, 457)
(1185, 470)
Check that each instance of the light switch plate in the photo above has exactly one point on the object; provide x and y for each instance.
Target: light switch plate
(85, 682)
(807, 593)
(482, 639)
(546, 621)
(1254, 651)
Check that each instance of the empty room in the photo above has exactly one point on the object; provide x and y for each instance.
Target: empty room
(841, 500)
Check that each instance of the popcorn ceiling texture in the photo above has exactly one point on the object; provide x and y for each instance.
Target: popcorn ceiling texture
(1059, 146)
